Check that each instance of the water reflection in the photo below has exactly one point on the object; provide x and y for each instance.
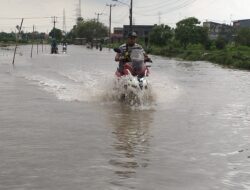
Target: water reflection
(131, 130)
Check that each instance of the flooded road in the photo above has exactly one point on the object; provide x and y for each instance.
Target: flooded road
(60, 129)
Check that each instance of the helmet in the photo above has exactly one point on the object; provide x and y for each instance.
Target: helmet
(132, 34)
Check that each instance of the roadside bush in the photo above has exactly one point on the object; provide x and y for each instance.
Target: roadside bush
(243, 37)
(196, 47)
(243, 48)
(220, 43)
(208, 44)
(242, 64)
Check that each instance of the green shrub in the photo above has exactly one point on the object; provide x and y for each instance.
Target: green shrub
(208, 44)
(243, 48)
(242, 64)
(220, 43)
(195, 47)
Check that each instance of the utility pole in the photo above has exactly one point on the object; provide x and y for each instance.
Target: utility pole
(98, 15)
(131, 16)
(37, 43)
(31, 53)
(17, 38)
(231, 19)
(64, 22)
(110, 10)
(159, 14)
(54, 22)
(80, 9)
(130, 13)
(79, 12)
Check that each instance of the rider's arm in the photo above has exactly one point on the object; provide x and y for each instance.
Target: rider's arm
(147, 58)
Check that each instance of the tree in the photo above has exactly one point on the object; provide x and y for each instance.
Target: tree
(89, 30)
(188, 31)
(7, 37)
(79, 19)
(220, 43)
(56, 33)
(243, 37)
(161, 35)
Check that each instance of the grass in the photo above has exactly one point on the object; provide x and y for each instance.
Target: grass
(232, 56)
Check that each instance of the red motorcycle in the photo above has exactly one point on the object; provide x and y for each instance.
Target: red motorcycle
(135, 71)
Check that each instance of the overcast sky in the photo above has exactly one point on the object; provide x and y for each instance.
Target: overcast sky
(38, 12)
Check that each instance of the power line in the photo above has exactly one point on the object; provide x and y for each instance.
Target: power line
(170, 6)
(64, 21)
(158, 4)
(122, 18)
(16, 18)
(170, 10)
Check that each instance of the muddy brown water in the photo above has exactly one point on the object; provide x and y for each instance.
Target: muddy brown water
(60, 129)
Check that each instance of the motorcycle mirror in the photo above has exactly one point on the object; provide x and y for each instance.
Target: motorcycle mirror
(117, 50)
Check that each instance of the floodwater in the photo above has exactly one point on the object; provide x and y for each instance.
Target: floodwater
(60, 129)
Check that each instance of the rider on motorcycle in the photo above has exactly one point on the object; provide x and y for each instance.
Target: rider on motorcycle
(54, 48)
(64, 45)
(126, 49)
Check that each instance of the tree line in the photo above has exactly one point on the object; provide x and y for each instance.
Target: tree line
(189, 32)
(90, 30)
(190, 41)
(24, 37)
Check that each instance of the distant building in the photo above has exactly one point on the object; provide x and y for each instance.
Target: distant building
(118, 30)
(80, 41)
(216, 29)
(141, 30)
(117, 36)
(241, 23)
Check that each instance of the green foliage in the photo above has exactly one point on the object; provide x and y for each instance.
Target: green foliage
(208, 45)
(220, 43)
(243, 48)
(161, 35)
(188, 31)
(56, 33)
(195, 47)
(190, 42)
(243, 37)
(7, 37)
(79, 19)
(89, 30)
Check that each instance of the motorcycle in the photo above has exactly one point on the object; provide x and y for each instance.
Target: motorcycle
(54, 50)
(132, 80)
(64, 48)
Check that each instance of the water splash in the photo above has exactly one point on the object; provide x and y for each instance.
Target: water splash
(130, 95)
